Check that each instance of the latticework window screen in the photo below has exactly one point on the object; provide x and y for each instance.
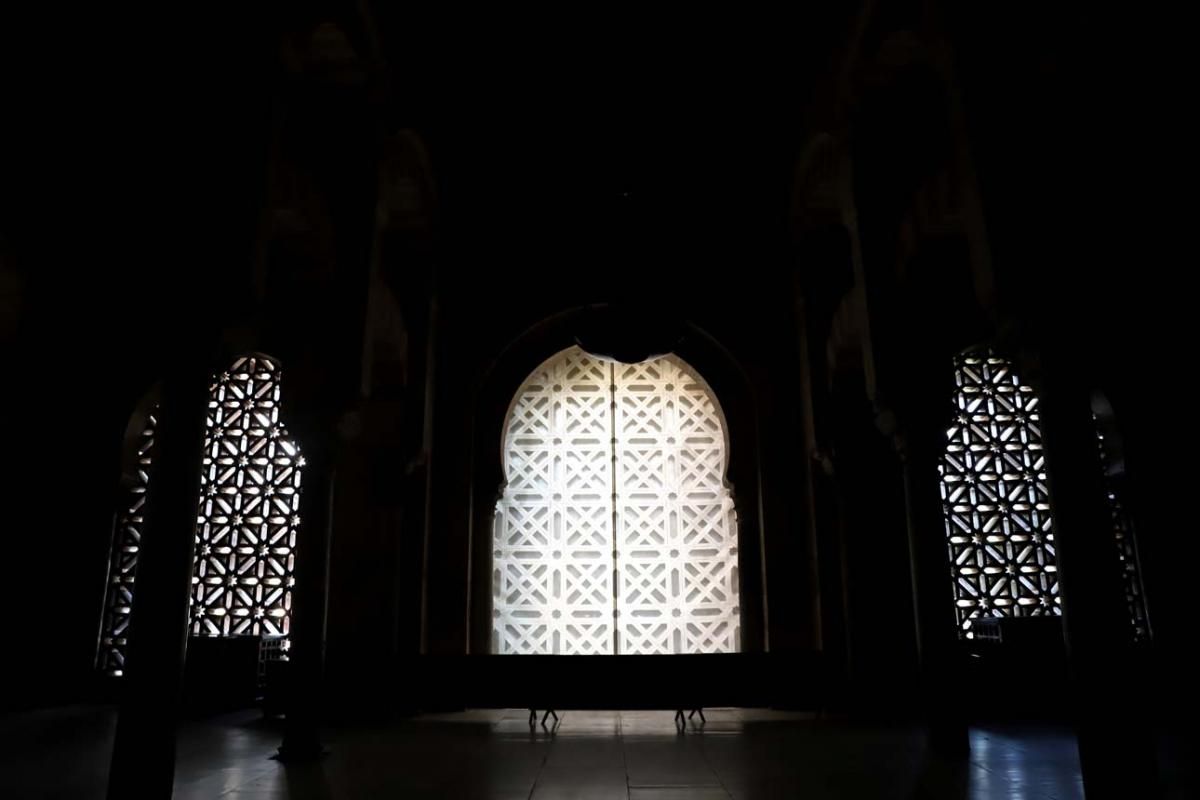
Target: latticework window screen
(127, 538)
(247, 519)
(1127, 555)
(995, 497)
(249, 508)
(616, 532)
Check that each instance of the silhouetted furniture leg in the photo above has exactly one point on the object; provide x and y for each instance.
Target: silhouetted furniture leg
(301, 738)
(143, 760)
(549, 712)
(1116, 745)
(696, 711)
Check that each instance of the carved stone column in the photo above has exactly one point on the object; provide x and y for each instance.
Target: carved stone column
(921, 441)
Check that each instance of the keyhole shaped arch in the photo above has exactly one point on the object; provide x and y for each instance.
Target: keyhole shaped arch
(615, 531)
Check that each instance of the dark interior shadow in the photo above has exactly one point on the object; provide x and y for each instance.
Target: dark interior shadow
(942, 779)
(307, 781)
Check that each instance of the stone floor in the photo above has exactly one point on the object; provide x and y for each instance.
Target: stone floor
(738, 753)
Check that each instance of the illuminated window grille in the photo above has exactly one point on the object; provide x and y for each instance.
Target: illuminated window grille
(127, 537)
(995, 497)
(249, 508)
(1126, 547)
(247, 520)
(616, 532)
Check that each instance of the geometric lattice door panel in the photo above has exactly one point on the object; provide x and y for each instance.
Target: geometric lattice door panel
(249, 508)
(122, 567)
(552, 578)
(615, 509)
(995, 498)
(244, 567)
(676, 533)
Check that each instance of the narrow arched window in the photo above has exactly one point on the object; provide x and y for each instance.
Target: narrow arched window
(249, 508)
(122, 562)
(616, 531)
(995, 497)
(247, 519)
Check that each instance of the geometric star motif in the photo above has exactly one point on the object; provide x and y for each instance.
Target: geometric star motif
(995, 498)
(246, 524)
(246, 529)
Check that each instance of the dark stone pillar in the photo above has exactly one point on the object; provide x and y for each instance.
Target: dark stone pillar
(143, 761)
(820, 520)
(416, 437)
(938, 645)
(924, 407)
(882, 656)
(301, 738)
(1116, 745)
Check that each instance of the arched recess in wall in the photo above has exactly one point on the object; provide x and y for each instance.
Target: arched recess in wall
(718, 377)
(247, 518)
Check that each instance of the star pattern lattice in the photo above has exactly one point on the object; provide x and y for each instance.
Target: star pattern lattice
(995, 497)
(246, 525)
(249, 508)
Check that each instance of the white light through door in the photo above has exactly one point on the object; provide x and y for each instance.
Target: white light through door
(616, 532)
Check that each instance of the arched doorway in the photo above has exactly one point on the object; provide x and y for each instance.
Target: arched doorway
(616, 531)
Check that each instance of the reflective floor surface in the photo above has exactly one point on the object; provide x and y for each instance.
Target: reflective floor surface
(738, 753)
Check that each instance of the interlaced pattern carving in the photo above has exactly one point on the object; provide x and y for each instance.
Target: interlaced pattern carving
(995, 497)
(246, 525)
(676, 531)
(249, 508)
(615, 509)
(127, 538)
